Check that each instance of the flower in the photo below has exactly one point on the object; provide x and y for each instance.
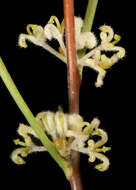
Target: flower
(68, 132)
(100, 62)
(94, 59)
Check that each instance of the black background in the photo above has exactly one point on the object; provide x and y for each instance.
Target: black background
(42, 81)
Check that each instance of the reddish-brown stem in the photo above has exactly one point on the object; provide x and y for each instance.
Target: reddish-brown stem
(73, 73)
(73, 84)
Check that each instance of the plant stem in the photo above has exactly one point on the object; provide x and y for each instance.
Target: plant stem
(32, 120)
(89, 15)
(73, 84)
(73, 73)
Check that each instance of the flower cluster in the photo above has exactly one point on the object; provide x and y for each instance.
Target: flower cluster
(68, 132)
(94, 58)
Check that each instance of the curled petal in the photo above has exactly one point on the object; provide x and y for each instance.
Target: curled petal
(91, 145)
(36, 36)
(23, 37)
(49, 124)
(18, 142)
(95, 123)
(61, 123)
(92, 157)
(117, 38)
(105, 162)
(100, 78)
(55, 19)
(121, 52)
(106, 62)
(91, 126)
(51, 32)
(107, 33)
(103, 135)
(101, 72)
(22, 40)
(19, 151)
(118, 55)
(24, 130)
(38, 32)
(40, 115)
(103, 37)
(39, 118)
(30, 28)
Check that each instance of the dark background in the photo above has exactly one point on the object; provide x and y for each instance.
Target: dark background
(42, 81)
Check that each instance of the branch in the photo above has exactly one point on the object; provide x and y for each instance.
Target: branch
(89, 15)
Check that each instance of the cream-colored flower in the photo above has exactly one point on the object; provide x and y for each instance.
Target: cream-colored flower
(94, 59)
(68, 132)
(99, 61)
